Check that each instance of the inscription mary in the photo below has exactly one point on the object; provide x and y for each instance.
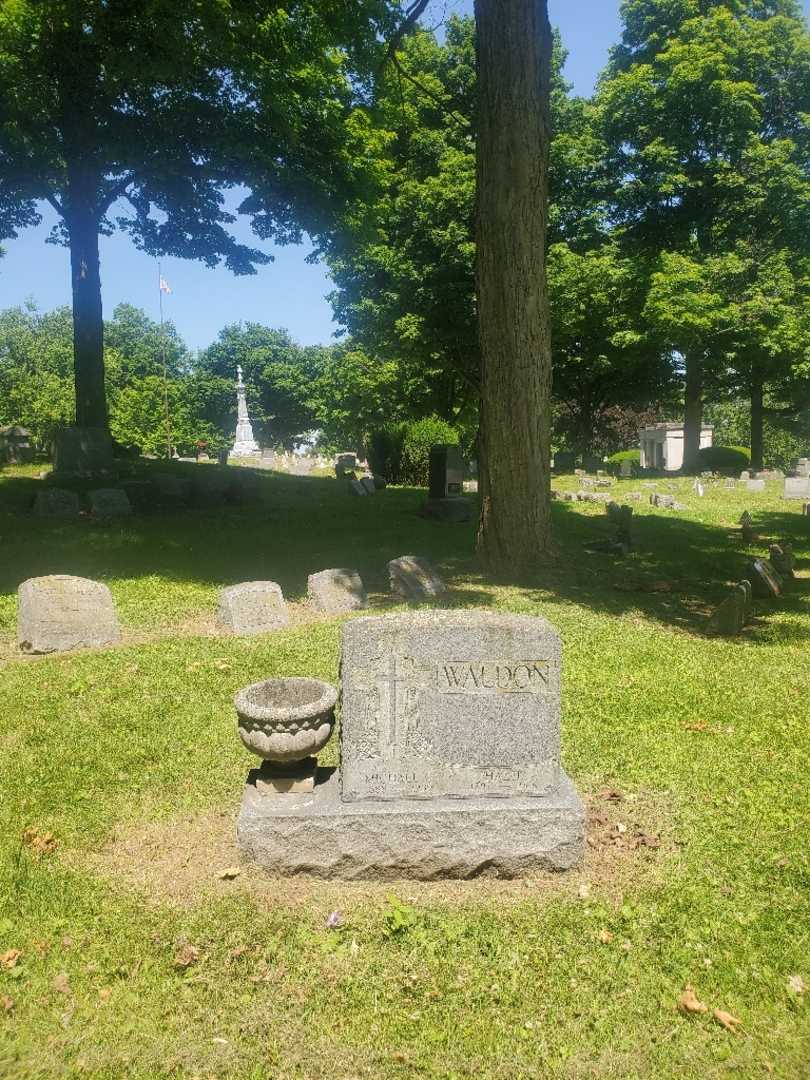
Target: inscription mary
(440, 704)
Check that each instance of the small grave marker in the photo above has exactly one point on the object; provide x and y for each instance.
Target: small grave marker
(252, 607)
(61, 612)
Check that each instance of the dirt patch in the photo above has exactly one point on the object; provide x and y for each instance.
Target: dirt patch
(186, 861)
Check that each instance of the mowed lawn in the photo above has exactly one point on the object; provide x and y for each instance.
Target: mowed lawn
(129, 945)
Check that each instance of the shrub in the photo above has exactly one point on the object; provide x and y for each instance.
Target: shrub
(418, 437)
(733, 458)
(385, 452)
(614, 461)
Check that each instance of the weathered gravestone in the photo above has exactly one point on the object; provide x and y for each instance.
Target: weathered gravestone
(252, 607)
(783, 560)
(797, 487)
(803, 468)
(369, 485)
(734, 612)
(107, 503)
(82, 451)
(625, 469)
(356, 488)
(336, 591)
(755, 485)
(446, 501)
(450, 758)
(56, 503)
(60, 612)
(15, 445)
(413, 578)
(764, 579)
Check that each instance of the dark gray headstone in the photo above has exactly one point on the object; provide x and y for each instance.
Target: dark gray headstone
(82, 452)
(446, 472)
(369, 485)
(764, 579)
(61, 612)
(356, 488)
(15, 445)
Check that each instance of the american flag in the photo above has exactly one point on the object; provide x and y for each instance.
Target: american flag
(164, 286)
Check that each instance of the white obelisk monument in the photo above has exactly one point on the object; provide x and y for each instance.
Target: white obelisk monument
(244, 443)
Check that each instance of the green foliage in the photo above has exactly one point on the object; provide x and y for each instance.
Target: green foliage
(417, 439)
(385, 452)
(729, 458)
(613, 462)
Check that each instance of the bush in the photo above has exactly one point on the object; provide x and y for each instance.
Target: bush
(732, 458)
(615, 460)
(418, 437)
(385, 452)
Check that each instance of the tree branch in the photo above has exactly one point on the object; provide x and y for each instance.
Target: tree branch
(112, 194)
(52, 199)
(412, 14)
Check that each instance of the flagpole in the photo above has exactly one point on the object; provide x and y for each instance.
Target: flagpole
(165, 370)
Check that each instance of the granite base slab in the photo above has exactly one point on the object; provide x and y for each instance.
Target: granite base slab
(423, 839)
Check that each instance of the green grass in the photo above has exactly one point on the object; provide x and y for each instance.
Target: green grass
(130, 756)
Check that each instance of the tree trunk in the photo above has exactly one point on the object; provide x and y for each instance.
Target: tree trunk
(82, 221)
(757, 417)
(693, 413)
(514, 70)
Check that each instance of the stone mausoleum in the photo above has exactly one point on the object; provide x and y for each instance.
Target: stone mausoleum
(662, 445)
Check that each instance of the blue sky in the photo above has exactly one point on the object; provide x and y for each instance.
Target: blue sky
(288, 292)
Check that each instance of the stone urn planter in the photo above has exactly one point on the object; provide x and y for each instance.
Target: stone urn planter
(286, 722)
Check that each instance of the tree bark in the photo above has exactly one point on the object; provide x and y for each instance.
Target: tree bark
(514, 71)
(693, 413)
(757, 418)
(81, 217)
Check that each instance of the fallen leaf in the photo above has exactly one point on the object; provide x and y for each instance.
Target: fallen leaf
(39, 843)
(6, 1002)
(240, 950)
(229, 873)
(104, 993)
(697, 726)
(605, 937)
(796, 984)
(221, 665)
(219, 1040)
(689, 1003)
(726, 1020)
(9, 959)
(186, 955)
(42, 947)
(399, 1056)
(584, 891)
(61, 983)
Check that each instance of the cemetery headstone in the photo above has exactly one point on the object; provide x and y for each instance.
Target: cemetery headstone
(446, 501)
(450, 758)
(336, 591)
(356, 488)
(252, 607)
(797, 487)
(803, 468)
(747, 527)
(107, 503)
(625, 469)
(380, 483)
(82, 452)
(61, 612)
(53, 502)
(765, 581)
(369, 485)
(729, 618)
(413, 578)
(15, 445)
(745, 475)
(730, 482)
(755, 485)
(783, 560)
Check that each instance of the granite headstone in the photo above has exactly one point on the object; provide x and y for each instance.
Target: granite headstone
(61, 612)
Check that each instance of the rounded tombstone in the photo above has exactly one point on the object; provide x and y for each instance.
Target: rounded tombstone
(286, 720)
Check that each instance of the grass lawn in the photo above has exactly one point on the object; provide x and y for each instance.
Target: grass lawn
(124, 952)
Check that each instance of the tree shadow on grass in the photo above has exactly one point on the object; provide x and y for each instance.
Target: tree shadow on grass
(679, 569)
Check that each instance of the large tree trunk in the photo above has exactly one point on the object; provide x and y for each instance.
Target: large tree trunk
(757, 417)
(693, 413)
(514, 71)
(81, 216)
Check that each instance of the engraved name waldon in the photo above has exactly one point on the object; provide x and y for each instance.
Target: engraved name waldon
(509, 676)
(458, 676)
